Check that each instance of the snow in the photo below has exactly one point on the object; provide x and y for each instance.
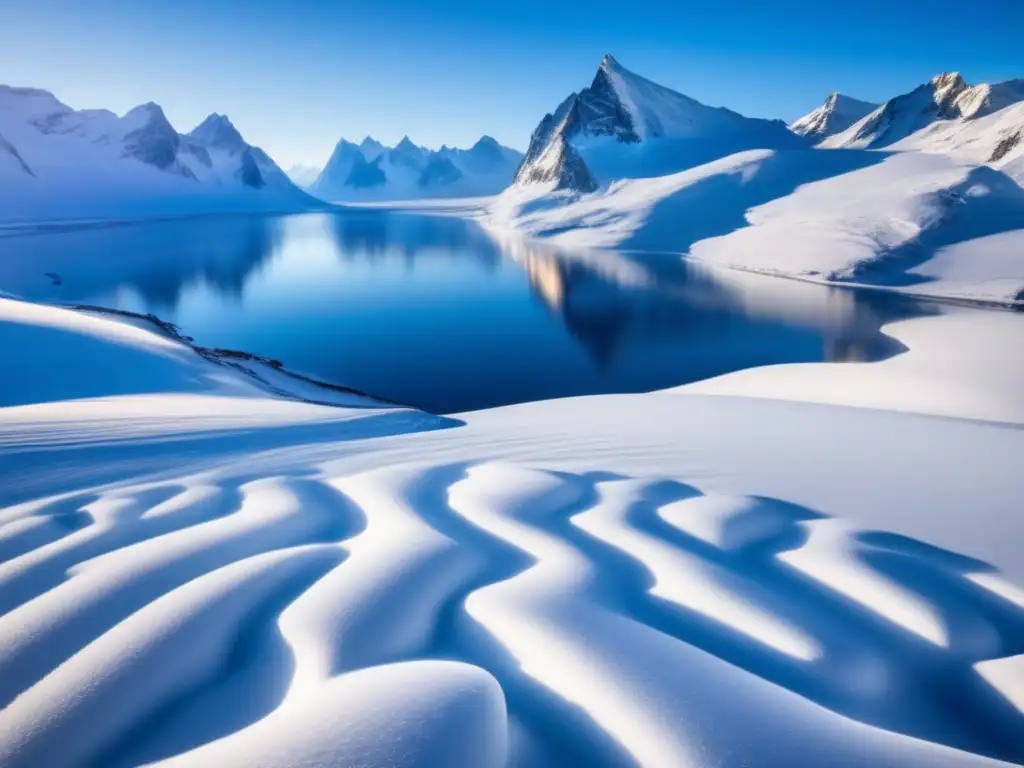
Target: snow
(658, 111)
(484, 169)
(625, 126)
(980, 381)
(911, 221)
(922, 194)
(836, 115)
(94, 164)
(198, 570)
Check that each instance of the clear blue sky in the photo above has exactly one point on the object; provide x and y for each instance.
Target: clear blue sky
(295, 76)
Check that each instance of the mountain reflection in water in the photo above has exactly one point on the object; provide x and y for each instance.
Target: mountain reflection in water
(435, 312)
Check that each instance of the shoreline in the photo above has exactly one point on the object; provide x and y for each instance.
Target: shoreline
(234, 358)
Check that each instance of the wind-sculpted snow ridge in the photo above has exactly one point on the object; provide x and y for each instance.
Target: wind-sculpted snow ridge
(490, 614)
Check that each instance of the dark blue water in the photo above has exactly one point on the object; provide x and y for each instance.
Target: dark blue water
(431, 311)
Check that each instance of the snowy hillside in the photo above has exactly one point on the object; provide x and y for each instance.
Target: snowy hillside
(224, 575)
(369, 171)
(923, 195)
(625, 126)
(58, 163)
(837, 114)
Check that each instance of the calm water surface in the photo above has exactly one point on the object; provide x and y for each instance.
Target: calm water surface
(431, 311)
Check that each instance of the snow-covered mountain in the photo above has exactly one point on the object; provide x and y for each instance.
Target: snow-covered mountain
(371, 171)
(837, 114)
(937, 103)
(978, 124)
(625, 126)
(57, 162)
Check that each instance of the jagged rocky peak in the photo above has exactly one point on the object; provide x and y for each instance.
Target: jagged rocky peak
(218, 131)
(947, 89)
(151, 138)
(558, 164)
(629, 109)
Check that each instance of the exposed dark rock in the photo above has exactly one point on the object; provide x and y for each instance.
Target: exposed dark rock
(6, 146)
(1004, 147)
(198, 151)
(438, 172)
(250, 172)
(156, 143)
(364, 174)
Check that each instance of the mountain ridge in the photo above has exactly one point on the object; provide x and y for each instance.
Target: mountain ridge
(93, 162)
(623, 125)
(372, 171)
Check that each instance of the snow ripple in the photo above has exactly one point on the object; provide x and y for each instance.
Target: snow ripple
(490, 614)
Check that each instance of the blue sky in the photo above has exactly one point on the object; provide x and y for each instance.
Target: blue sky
(296, 76)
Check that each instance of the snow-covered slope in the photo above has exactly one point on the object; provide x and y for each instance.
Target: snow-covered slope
(910, 221)
(625, 126)
(369, 171)
(923, 195)
(837, 114)
(58, 163)
(194, 572)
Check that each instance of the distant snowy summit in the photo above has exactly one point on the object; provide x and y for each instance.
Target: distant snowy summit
(370, 171)
(837, 114)
(946, 99)
(980, 123)
(625, 126)
(57, 162)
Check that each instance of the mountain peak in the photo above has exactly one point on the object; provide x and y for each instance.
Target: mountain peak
(487, 144)
(150, 110)
(837, 114)
(947, 80)
(405, 143)
(609, 62)
(217, 130)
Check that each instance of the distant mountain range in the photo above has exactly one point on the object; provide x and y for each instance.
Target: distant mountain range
(625, 126)
(371, 171)
(57, 162)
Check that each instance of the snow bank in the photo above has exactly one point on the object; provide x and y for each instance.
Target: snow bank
(957, 365)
